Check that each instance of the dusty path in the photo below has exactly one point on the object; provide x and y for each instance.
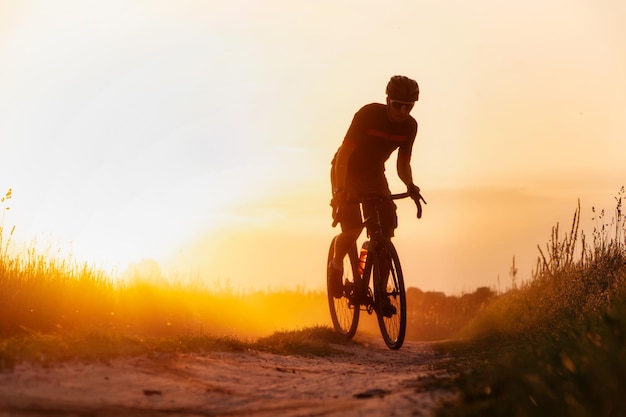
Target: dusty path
(366, 380)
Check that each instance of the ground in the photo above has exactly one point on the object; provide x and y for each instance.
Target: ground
(365, 379)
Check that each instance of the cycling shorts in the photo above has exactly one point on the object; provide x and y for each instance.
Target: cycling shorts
(351, 216)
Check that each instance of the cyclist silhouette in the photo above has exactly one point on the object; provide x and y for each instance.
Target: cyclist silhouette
(358, 167)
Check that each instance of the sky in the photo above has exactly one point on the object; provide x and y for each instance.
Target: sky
(199, 134)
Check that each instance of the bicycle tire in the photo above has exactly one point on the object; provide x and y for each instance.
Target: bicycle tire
(392, 329)
(344, 315)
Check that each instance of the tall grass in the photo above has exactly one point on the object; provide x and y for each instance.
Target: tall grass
(557, 342)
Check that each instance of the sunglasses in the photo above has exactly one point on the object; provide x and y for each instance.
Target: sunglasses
(397, 104)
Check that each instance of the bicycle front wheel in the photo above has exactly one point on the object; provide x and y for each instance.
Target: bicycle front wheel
(344, 314)
(390, 296)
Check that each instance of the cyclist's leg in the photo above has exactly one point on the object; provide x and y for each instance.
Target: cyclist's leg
(343, 242)
(351, 226)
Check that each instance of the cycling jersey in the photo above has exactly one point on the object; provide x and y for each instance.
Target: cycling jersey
(374, 137)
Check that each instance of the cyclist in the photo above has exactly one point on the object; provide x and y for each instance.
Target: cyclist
(358, 168)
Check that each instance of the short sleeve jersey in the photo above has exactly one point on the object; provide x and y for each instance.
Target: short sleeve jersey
(374, 138)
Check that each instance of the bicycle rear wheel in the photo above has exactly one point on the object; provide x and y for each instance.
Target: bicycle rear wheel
(344, 314)
(389, 285)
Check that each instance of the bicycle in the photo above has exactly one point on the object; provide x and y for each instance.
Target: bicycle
(382, 268)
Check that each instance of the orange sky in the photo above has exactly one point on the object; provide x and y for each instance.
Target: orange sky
(199, 133)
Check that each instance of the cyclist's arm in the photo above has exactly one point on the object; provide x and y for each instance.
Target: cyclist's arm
(405, 173)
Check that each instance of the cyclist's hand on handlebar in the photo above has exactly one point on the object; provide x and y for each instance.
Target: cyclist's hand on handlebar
(414, 192)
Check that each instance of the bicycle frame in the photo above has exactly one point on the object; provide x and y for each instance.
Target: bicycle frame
(387, 296)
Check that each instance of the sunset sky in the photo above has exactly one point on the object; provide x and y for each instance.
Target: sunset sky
(199, 133)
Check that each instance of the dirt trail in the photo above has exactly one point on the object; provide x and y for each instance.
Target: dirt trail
(365, 380)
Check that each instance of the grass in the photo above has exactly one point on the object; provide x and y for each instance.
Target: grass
(555, 345)
(99, 346)
(316, 341)
(41, 294)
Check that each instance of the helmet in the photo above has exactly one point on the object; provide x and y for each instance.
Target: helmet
(402, 88)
